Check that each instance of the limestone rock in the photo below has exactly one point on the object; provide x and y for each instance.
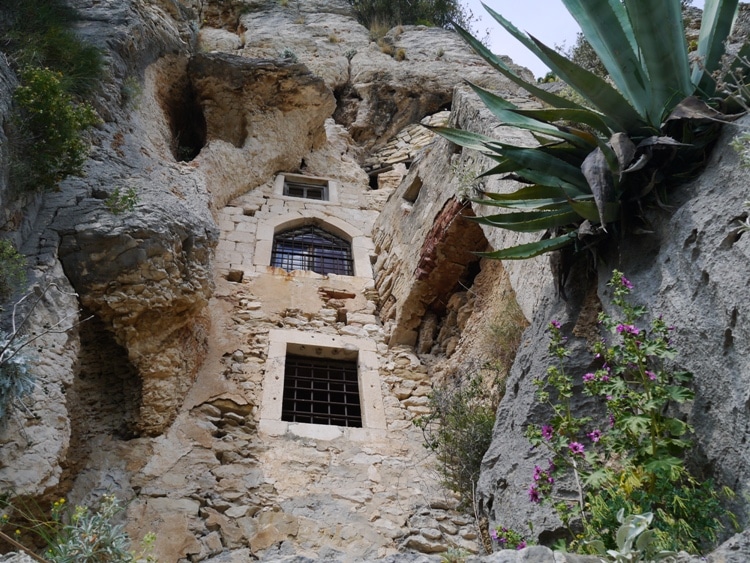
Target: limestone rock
(16, 558)
(694, 271)
(262, 115)
(378, 95)
(34, 440)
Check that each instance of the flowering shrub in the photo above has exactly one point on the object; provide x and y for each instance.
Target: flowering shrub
(631, 459)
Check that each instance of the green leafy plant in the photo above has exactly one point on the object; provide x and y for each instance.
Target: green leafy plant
(48, 131)
(455, 555)
(631, 139)
(459, 430)
(120, 201)
(582, 54)
(39, 33)
(634, 462)
(16, 380)
(288, 55)
(390, 13)
(56, 71)
(131, 92)
(77, 535)
(12, 269)
(462, 412)
(635, 542)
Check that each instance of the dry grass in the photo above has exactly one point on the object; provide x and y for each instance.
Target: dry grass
(378, 30)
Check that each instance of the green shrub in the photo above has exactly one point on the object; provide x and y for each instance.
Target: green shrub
(56, 69)
(47, 131)
(462, 412)
(78, 535)
(120, 201)
(288, 55)
(459, 430)
(16, 381)
(131, 92)
(507, 538)
(583, 54)
(39, 34)
(12, 269)
(390, 13)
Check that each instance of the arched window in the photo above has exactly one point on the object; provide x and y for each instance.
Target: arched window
(312, 248)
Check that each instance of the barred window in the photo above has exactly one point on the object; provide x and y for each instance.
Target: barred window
(312, 248)
(321, 391)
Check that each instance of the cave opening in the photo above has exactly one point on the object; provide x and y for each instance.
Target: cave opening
(104, 399)
(183, 111)
(187, 123)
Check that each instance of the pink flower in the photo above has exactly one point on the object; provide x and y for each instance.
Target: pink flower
(628, 329)
(534, 495)
(588, 377)
(595, 435)
(547, 431)
(555, 324)
(521, 545)
(651, 375)
(626, 282)
(576, 448)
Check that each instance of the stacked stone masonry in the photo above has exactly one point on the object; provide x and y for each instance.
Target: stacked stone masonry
(357, 493)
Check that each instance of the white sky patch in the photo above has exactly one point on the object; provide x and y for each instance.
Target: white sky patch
(547, 20)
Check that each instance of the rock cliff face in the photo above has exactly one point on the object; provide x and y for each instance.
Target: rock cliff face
(164, 387)
(694, 271)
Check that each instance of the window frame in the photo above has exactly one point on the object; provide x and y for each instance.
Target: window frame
(321, 390)
(330, 188)
(362, 246)
(312, 248)
(281, 342)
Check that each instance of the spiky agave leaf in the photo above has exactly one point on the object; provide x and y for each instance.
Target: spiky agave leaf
(590, 162)
(532, 249)
(718, 16)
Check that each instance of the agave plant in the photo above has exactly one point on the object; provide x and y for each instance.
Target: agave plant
(649, 126)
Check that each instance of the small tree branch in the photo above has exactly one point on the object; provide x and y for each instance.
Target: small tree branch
(23, 548)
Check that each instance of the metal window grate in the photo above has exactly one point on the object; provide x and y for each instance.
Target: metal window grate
(312, 248)
(306, 190)
(321, 391)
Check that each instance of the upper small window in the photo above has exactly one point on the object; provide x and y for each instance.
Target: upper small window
(315, 188)
(312, 248)
(306, 190)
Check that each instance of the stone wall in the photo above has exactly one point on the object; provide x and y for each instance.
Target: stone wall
(428, 253)
(223, 477)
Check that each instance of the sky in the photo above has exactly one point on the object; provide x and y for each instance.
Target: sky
(547, 20)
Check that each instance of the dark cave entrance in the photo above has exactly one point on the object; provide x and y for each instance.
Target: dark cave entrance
(105, 397)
